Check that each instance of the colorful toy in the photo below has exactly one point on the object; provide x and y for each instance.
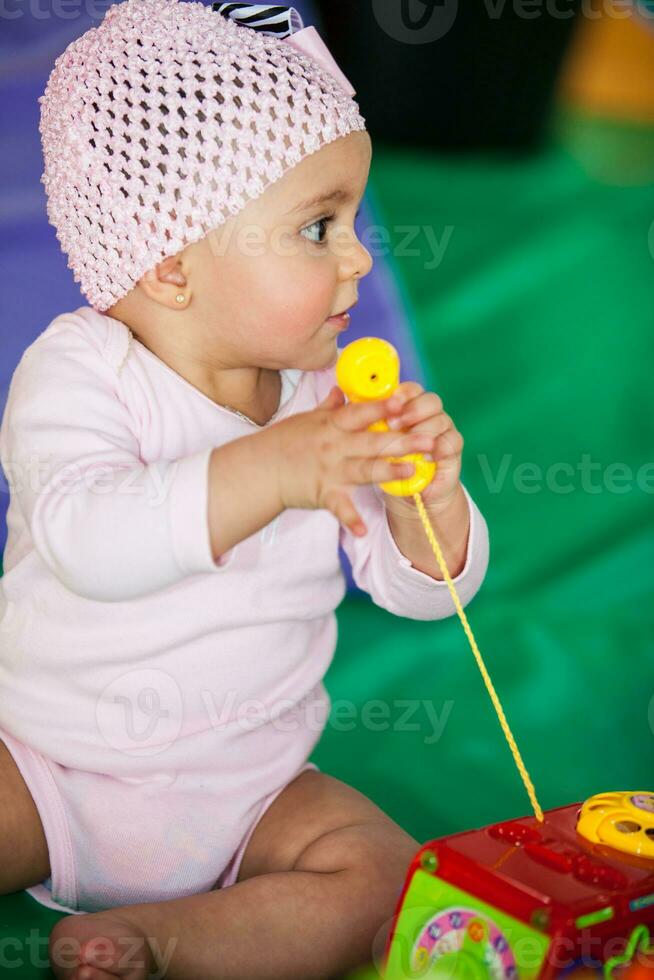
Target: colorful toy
(566, 892)
(526, 899)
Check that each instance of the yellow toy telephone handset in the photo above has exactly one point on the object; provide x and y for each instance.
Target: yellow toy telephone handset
(367, 370)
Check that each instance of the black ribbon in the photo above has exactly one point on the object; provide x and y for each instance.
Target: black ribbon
(267, 18)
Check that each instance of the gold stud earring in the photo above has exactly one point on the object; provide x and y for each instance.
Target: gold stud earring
(180, 297)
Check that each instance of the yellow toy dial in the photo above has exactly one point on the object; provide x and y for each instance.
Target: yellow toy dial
(624, 821)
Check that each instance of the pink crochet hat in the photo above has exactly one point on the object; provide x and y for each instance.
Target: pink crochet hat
(167, 118)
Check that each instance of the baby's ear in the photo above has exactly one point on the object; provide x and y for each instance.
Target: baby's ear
(168, 270)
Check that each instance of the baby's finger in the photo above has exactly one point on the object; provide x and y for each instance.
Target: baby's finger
(340, 504)
(390, 443)
(429, 405)
(334, 399)
(405, 392)
(356, 416)
(435, 425)
(448, 445)
(361, 470)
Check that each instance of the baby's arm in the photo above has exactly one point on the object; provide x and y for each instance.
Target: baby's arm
(243, 491)
(108, 525)
(385, 572)
(388, 576)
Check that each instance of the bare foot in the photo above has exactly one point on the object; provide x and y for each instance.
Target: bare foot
(100, 946)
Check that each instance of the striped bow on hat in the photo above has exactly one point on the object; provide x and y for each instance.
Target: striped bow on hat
(286, 23)
(267, 18)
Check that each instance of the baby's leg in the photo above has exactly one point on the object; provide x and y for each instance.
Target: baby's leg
(315, 896)
(24, 857)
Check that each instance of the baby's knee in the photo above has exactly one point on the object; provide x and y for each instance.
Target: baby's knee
(376, 852)
(370, 861)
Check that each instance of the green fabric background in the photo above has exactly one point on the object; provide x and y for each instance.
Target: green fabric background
(537, 330)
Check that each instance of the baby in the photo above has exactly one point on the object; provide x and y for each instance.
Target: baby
(182, 470)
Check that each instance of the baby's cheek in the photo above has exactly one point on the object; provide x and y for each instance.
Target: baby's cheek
(318, 286)
(309, 310)
(303, 294)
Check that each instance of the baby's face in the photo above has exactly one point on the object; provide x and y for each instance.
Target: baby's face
(264, 284)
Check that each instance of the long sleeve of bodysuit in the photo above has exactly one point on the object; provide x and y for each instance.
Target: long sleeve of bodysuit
(107, 525)
(380, 568)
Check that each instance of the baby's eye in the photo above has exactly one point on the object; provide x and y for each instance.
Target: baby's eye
(314, 224)
(324, 221)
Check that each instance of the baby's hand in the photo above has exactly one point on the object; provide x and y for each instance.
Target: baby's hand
(324, 453)
(417, 410)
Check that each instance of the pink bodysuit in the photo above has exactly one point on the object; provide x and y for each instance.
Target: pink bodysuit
(154, 700)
